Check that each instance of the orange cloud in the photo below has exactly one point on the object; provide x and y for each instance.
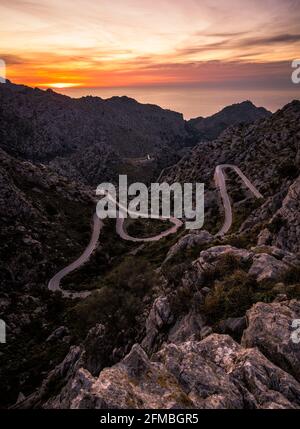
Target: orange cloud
(146, 42)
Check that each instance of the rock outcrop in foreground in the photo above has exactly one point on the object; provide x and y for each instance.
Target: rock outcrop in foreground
(217, 372)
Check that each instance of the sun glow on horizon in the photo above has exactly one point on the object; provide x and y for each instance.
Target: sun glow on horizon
(64, 44)
(59, 85)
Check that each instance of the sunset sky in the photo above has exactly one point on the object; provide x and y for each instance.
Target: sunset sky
(150, 43)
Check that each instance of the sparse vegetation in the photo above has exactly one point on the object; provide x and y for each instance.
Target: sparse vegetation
(226, 265)
(141, 228)
(118, 302)
(230, 297)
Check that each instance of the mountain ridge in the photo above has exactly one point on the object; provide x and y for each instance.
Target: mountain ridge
(244, 112)
(91, 139)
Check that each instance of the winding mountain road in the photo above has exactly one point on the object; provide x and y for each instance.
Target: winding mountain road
(121, 231)
(54, 283)
(220, 182)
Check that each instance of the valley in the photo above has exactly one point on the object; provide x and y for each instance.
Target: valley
(53, 284)
(118, 314)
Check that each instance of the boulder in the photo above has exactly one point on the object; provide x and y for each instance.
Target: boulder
(135, 382)
(97, 349)
(264, 237)
(210, 256)
(160, 316)
(59, 376)
(58, 334)
(209, 259)
(267, 267)
(187, 328)
(270, 329)
(287, 235)
(188, 242)
(233, 326)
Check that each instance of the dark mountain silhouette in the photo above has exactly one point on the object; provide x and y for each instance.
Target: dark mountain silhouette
(211, 127)
(86, 139)
(92, 140)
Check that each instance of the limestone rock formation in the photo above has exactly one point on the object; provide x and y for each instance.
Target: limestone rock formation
(270, 329)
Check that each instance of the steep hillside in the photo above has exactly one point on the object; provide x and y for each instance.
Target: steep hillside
(93, 140)
(88, 138)
(45, 223)
(268, 152)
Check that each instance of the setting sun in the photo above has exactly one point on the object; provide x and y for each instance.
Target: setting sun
(60, 85)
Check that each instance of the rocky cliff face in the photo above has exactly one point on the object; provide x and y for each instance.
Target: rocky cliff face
(286, 234)
(38, 210)
(92, 140)
(45, 221)
(216, 372)
(87, 139)
(275, 139)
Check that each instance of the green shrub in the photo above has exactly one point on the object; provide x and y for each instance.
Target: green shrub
(235, 294)
(230, 298)
(180, 302)
(118, 301)
(143, 228)
(226, 265)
